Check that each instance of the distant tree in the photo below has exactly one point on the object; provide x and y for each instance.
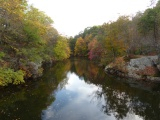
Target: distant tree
(113, 44)
(149, 24)
(95, 50)
(80, 47)
(88, 38)
(139, 34)
(72, 42)
(61, 49)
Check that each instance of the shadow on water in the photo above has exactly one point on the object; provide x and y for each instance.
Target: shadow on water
(114, 98)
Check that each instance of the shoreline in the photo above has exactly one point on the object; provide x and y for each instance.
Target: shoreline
(144, 68)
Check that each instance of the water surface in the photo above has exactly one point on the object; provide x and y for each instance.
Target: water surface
(78, 89)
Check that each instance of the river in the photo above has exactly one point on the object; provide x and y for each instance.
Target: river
(77, 89)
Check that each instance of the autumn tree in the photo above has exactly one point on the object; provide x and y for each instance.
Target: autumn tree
(95, 50)
(80, 47)
(61, 49)
(11, 19)
(27, 38)
(114, 43)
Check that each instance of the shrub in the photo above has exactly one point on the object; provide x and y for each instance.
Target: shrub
(10, 76)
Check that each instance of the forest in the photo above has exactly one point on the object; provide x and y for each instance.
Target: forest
(28, 39)
(127, 36)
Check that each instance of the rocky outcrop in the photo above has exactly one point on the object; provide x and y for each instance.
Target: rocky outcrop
(145, 68)
(141, 63)
(34, 69)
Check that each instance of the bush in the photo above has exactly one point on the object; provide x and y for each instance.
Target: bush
(10, 76)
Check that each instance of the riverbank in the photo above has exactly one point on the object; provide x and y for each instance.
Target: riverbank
(78, 83)
(15, 73)
(144, 68)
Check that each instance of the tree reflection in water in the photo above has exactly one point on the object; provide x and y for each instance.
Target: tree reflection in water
(114, 96)
(120, 97)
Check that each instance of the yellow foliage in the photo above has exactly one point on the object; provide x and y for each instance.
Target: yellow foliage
(80, 47)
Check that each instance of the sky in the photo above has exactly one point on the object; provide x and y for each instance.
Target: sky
(73, 16)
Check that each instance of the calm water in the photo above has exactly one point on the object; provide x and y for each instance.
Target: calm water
(77, 89)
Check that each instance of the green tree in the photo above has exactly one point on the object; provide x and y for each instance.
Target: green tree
(27, 38)
(61, 49)
(149, 24)
(72, 42)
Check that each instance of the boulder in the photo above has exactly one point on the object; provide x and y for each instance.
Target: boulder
(141, 63)
(140, 68)
(35, 69)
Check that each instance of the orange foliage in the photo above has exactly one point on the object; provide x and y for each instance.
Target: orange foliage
(119, 64)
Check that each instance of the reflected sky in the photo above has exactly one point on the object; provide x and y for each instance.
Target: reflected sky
(77, 101)
(77, 89)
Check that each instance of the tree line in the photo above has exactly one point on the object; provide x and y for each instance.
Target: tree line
(128, 35)
(27, 38)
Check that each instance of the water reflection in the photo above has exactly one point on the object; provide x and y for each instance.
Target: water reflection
(77, 89)
(74, 102)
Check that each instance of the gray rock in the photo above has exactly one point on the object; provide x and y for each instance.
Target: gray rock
(141, 63)
(134, 75)
(34, 69)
